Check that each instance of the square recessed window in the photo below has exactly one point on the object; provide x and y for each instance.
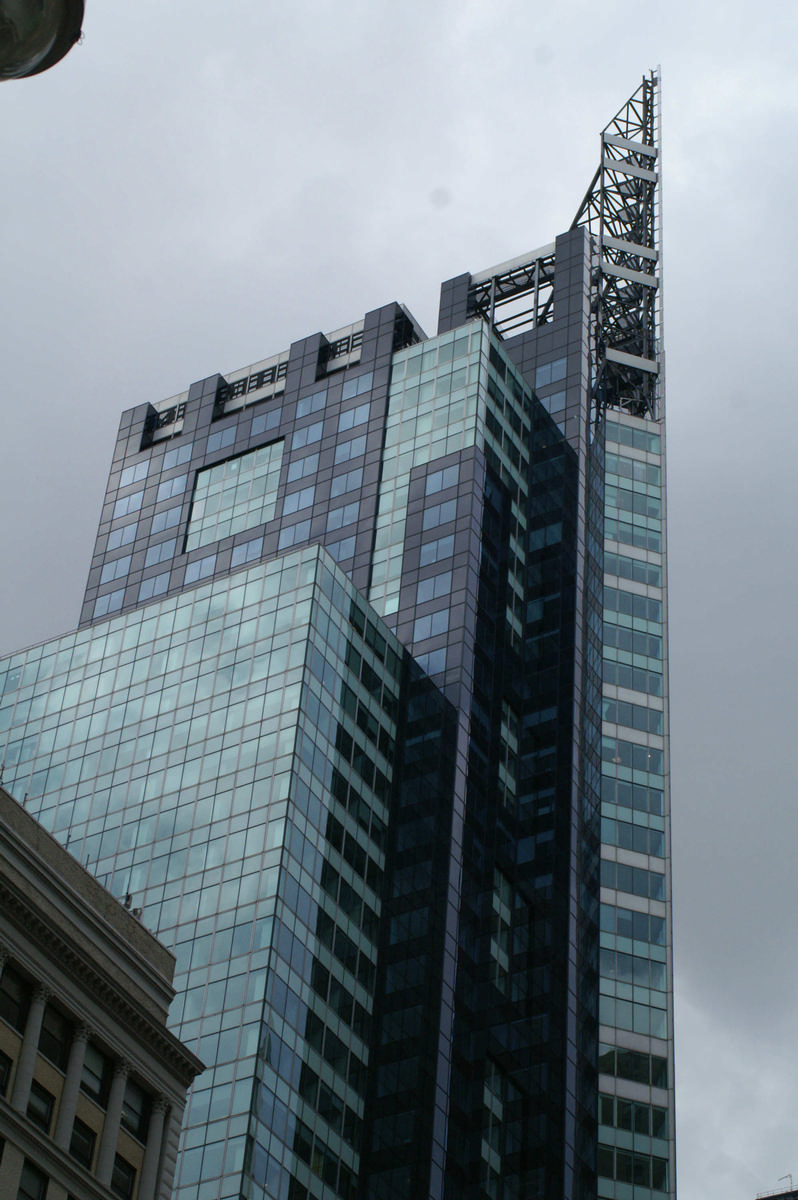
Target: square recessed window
(353, 417)
(156, 585)
(134, 474)
(307, 436)
(200, 568)
(168, 519)
(246, 552)
(357, 385)
(293, 534)
(111, 602)
(346, 515)
(315, 402)
(235, 495)
(127, 504)
(81, 1145)
(176, 457)
(122, 536)
(295, 501)
(171, 487)
(303, 467)
(265, 422)
(350, 481)
(438, 481)
(345, 451)
(160, 553)
(221, 439)
(115, 569)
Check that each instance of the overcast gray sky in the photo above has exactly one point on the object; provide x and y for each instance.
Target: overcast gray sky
(199, 184)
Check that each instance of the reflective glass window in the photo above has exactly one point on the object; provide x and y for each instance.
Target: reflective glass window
(127, 504)
(156, 585)
(122, 536)
(134, 474)
(171, 487)
(345, 451)
(160, 553)
(115, 569)
(235, 495)
(168, 519)
(221, 439)
(177, 457)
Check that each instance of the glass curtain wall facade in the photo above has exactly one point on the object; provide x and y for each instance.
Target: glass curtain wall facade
(367, 711)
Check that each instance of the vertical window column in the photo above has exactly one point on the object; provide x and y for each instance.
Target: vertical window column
(30, 1048)
(152, 1153)
(69, 1095)
(113, 1118)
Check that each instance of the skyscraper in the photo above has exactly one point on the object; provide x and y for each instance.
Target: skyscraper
(367, 710)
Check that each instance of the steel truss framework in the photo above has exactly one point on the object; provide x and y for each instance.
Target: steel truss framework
(621, 213)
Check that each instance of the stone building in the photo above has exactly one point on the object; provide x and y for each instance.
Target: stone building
(92, 1085)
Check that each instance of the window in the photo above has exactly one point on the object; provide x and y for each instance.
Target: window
(200, 568)
(439, 514)
(134, 474)
(122, 537)
(156, 585)
(82, 1143)
(303, 467)
(293, 534)
(431, 626)
(115, 570)
(246, 552)
(135, 1110)
(166, 519)
(176, 457)
(438, 481)
(265, 422)
(40, 1106)
(110, 603)
(5, 1072)
(434, 587)
(294, 501)
(96, 1074)
(160, 553)
(434, 662)
(351, 481)
(308, 435)
(550, 373)
(357, 385)
(345, 451)
(55, 1038)
(311, 404)
(32, 1183)
(14, 998)
(235, 495)
(435, 551)
(171, 487)
(341, 550)
(337, 518)
(123, 1178)
(128, 504)
(221, 439)
(354, 416)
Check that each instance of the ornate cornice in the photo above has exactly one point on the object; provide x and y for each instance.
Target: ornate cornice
(89, 977)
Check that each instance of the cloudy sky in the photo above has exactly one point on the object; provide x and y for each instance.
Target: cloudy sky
(199, 184)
